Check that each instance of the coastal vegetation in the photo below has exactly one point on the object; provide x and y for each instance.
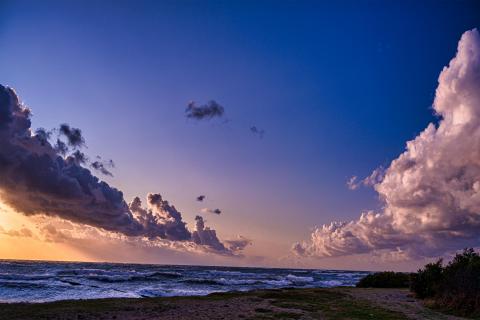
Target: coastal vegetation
(386, 279)
(453, 288)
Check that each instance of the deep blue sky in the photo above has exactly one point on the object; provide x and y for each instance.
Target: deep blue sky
(338, 87)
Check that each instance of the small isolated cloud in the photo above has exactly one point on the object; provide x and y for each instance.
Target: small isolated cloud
(209, 110)
(201, 198)
(214, 211)
(431, 192)
(373, 179)
(73, 135)
(353, 183)
(258, 132)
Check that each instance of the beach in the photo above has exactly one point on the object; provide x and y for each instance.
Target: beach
(288, 303)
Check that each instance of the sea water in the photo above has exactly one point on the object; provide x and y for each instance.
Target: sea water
(38, 281)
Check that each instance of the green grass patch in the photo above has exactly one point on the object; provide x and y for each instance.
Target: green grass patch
(329, 304)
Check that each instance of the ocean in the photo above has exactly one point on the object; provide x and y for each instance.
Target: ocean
(38, 281)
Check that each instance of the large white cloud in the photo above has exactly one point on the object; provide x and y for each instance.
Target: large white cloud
(431, 192)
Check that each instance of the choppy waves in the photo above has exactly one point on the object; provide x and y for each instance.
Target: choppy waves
(49, 281)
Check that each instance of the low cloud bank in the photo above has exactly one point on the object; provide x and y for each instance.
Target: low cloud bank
(431, 192)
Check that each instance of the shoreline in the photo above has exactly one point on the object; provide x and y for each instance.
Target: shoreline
(288, 303)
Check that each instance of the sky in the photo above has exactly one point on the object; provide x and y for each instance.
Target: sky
(335, 91)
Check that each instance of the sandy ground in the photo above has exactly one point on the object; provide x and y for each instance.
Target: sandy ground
(306, 304)
(400, 300)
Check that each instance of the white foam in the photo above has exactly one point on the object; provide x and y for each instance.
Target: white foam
(297, 279)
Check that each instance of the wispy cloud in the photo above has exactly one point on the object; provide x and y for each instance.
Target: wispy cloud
(373, 179)
(258, 132)
(214, 211)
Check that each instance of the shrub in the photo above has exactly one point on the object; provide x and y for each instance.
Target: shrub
(455, 287)
(387, 279)
(426, 282)
(461, 284)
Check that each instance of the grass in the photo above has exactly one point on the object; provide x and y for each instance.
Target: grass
(326, 303)
(265, 305)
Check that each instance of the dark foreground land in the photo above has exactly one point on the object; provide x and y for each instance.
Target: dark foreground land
(335, 303)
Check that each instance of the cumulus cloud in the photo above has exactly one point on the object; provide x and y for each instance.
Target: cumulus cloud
(431, 192)
(35, 179)
(43, 135)
(160, 219)
(209, 110)
(214, 211)
(208, 237)
(38, 178)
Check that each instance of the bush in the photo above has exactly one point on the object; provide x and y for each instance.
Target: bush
(387, 279)
(426, 282)
(455, 287)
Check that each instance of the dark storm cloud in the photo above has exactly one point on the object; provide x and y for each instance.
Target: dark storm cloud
(61, 147)
(205, 111)
(43, 135)
(37, 177)
(6, 112)
(79, 157)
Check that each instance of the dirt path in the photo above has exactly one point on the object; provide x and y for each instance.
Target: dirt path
(398, 300)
